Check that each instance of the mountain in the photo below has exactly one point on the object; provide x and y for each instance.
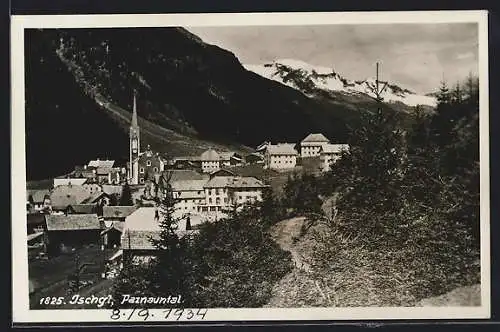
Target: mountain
(316, 79)
(191, 95)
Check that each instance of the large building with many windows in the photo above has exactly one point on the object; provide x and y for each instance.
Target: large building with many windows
(280, 156)
(311, 145)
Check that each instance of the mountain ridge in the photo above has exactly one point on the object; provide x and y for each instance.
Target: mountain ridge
(310, 78)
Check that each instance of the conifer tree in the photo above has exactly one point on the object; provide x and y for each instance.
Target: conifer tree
(126, 196)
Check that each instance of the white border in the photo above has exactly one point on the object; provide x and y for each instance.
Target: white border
(21, 312)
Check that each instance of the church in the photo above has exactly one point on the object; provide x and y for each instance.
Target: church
(145, 165)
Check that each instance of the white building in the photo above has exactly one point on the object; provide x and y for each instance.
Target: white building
(280, 156)
(330, 153)
(190, 195)
(101, 163)
(210, 161)
(311, 145)
(65, 181)
(92, 187)
(223, 193)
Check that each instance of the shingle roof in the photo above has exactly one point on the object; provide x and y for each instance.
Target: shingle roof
(210, 155)
(67, 181)
(141, 225)
(38, 195)
(333, 148)
(316, 138)
(83, 208)
(112, 189)
(188, 185)
(94, 197)
(101, 163)
(72, 222)
(104, 170)
(184, 174)
(35, 218)
(234, 182)
(117, 211)
(281, 149)
(62, 196)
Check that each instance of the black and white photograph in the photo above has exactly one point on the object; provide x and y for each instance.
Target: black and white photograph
(250, 167)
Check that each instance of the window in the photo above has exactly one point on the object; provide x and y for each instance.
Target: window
(241, 197)
(155, 169)
(141, 180)
(225, 199)
(217, 192)
(199, 192)
(148, 163)
(217, 200)
(210, 200)
(141, 170)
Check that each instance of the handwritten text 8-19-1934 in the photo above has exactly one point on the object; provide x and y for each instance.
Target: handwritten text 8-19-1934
(170, 314)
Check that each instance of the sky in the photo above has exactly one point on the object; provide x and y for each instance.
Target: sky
(414, 56)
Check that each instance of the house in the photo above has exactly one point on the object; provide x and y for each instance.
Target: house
(330, 153)
(222, 193)
(186, 162)
(92, 187)
(261, 149)
(38, 199)
(81, 209)
(35, 222)
(99, 199)
(101, 163)
(66, 181)
(210, 161)
(65, 232)
(189, 195)
(86, 172)
(112, 189)
(112, 234)
(230, 159)
(311, 145)
(254, 158)
(62, 196)
(139, 229)
(117, 213)
(117, 176)
(280, 156)
(222, 172)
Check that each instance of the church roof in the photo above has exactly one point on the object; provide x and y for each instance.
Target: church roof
(134, 113)
(210, 155)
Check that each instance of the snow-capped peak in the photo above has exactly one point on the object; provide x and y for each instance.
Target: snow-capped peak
(308, 78)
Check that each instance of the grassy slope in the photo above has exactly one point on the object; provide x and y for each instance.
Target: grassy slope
(359, 280)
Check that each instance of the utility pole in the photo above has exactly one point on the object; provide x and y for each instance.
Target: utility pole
(377, 89)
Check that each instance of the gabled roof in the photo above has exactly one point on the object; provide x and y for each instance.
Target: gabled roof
(38, 195)
(101, 163)
(117, 211)
(94, 197)
(222, 172)
(35, 218)
(112, 189)
(282, 149)
(334, 148)
(234, 182)
(141, 226)
(72, 222)
(83, 208)
(188, 185)
(62, 196)
(65, 181)
(320, 138)
(263, 146)
(183, 174)
(210, 155)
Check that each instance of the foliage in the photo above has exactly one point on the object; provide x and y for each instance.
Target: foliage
(126, 196)
(410, 199)
(240, 262)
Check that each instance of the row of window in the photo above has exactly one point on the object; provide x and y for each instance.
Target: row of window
(141, 170)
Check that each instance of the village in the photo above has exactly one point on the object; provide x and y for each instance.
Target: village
(82, 226)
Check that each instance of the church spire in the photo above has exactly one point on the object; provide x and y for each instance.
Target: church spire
(134, 112)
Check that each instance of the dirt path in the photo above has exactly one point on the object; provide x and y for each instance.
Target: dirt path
(284, 232)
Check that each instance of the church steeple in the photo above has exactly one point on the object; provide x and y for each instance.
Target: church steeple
(134, 112)
(134, 144)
